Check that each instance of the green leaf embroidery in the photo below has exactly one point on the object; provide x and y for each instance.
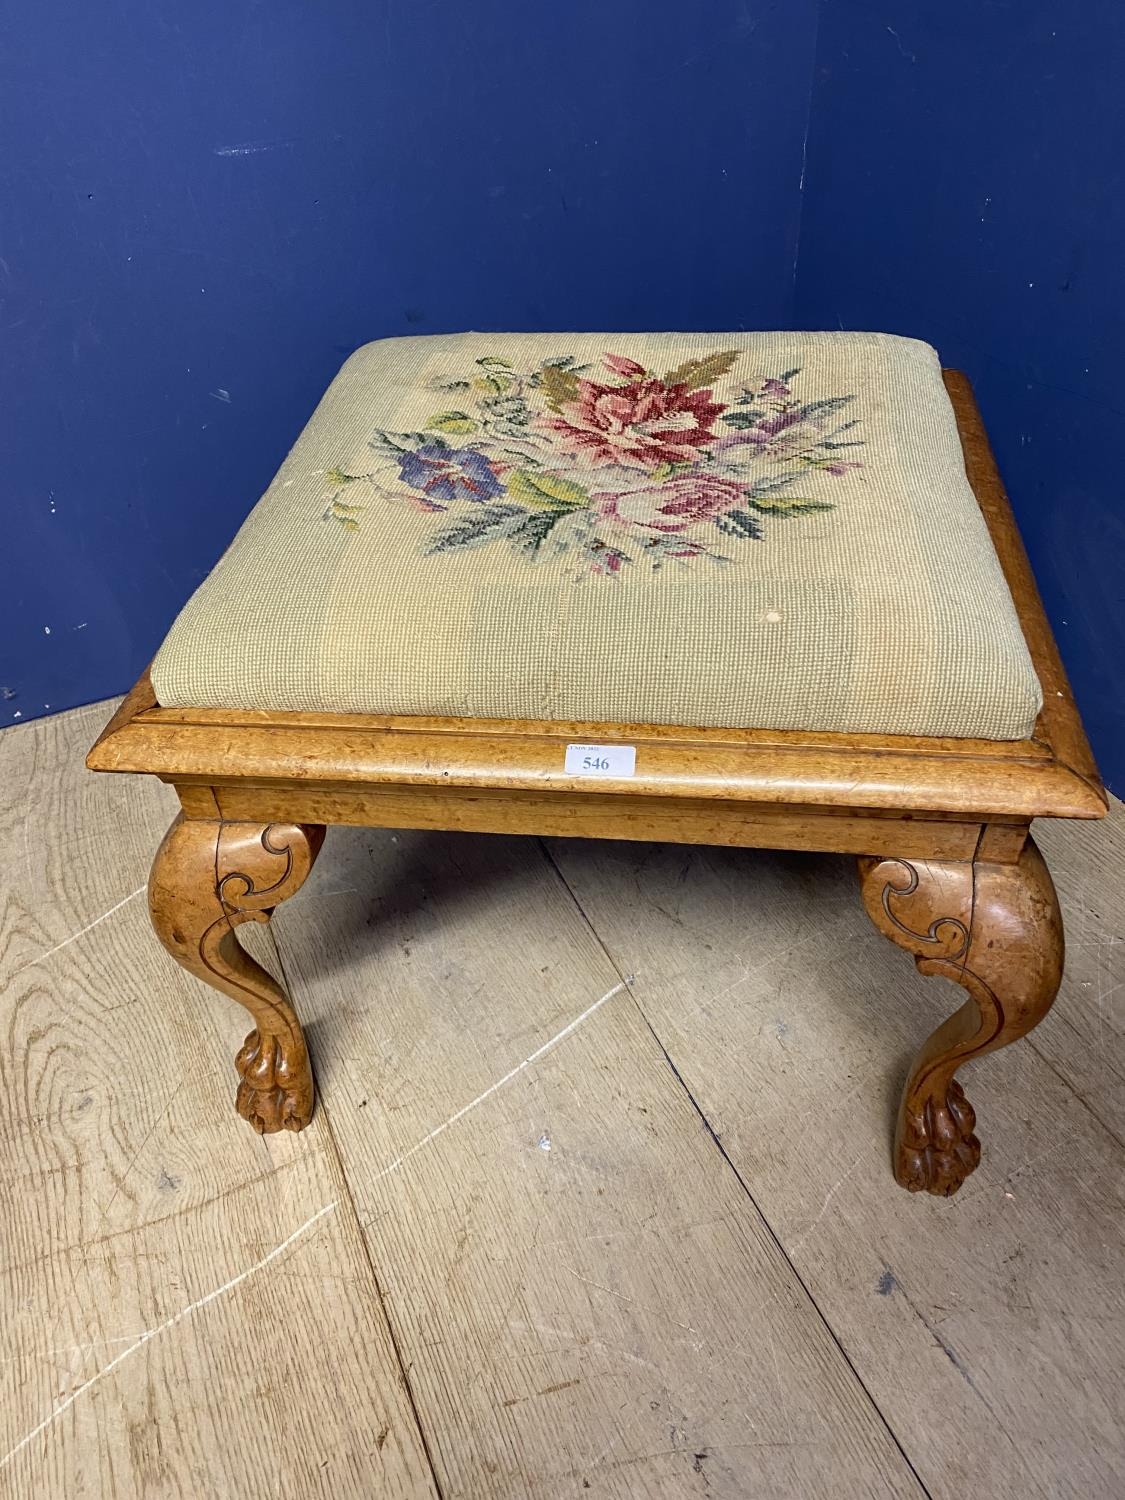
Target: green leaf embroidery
(558, 385)
(533, 531)
(546, 491)
(771, 484)
(345, 514)
(741, 419)
(393, 445)
(825, 408)
(694, 373)
(741, 524)
(787, 505)
(517, 455)
(493, 361)
(492, 385)
(483, 525)
(451, 421)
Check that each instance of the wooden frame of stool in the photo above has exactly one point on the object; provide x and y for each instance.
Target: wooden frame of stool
(948, 869)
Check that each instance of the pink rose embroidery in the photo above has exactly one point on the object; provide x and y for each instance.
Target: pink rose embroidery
(680, 465)
(644, 422)
(621, 364)
(673, 504)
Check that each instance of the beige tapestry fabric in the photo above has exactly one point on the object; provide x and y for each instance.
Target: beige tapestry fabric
(750, 530)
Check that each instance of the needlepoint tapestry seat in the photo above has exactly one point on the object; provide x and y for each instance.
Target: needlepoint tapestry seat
(768, 531)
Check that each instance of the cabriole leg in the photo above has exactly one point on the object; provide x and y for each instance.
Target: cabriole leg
(207, 878)
(994, 929)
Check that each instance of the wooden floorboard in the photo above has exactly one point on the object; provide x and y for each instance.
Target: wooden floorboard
(187, 1308)
(986, 1327)
(510, 1258)
(1083, 1036)
(584, 1295)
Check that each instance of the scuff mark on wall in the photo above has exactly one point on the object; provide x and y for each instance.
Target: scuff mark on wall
(249, 148)
(910, 56)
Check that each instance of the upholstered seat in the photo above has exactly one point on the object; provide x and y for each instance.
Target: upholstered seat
(768, 530)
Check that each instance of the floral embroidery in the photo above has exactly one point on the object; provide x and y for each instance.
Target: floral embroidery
(617, 468)
(443, 473)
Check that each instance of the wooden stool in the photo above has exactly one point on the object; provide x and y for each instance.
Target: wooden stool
(741, 589)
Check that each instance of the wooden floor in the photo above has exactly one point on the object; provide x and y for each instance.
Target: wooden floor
(597, 1200)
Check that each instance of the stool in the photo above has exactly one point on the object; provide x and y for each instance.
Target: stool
(747, 589)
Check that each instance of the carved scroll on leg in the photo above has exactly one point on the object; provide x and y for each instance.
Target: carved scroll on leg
(994, 929)
(207, 878)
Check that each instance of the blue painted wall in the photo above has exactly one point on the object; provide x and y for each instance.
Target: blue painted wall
(966, 184)
(204, 208)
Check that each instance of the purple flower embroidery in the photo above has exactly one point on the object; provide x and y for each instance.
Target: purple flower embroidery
(450, 473)
(637, 465)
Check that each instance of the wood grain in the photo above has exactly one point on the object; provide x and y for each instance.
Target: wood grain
(995, 930)
(586, 1297)
(188, 1309)
(228, 745)
(985, 1328)
(208, 879)
(588, 815)
(1085, 1040)
(988, 1332)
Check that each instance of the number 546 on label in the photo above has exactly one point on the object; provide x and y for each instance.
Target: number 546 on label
(601, 760)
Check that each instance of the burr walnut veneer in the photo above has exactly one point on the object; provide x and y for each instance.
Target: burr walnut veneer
(947, 867)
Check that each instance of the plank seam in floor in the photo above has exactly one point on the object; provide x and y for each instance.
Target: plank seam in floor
(1069, 1086)
(334, 1154)
(784, 1253)
(737, 1174)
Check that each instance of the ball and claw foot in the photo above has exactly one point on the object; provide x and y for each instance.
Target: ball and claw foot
(275, 1090)
(935, 1148)
(207, 879)
(995, 930)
